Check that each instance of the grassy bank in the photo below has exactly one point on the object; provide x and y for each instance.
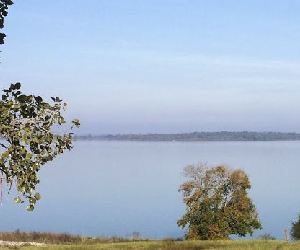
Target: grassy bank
(178, 245)
(57, 238)
(59, 241)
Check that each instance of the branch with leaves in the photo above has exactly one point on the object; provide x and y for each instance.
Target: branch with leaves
(28, 141)
(3, 13)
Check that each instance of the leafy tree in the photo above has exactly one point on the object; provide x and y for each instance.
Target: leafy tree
(296, 229)
(3, 13)
(28, 141)
(217, 203)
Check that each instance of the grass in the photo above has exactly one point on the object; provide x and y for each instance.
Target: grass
(66, 241)
(57, 238)
(177, 245)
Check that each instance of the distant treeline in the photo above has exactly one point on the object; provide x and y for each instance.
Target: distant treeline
(197, 136)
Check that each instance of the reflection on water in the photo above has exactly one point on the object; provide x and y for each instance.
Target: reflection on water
(116, 188)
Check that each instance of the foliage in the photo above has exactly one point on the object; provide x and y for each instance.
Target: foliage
(296, 229)
(3, 13)
(28, 140)
(217, 203)
(26, 131)
(266, 237)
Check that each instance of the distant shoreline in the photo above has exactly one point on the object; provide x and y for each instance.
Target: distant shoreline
(195, 136)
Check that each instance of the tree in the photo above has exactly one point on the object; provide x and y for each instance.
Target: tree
(28, 141)
(266, 237)
(217, 203)
(26, 125)
(295, 232)
(3, 13)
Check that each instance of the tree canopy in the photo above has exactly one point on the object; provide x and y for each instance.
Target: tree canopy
(3, 13)
(217, 203)
(28, 141)
(296, 229)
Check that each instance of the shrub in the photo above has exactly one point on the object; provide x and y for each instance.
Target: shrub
(296, 229)
(266, 237)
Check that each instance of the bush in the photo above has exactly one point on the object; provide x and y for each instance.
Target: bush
(296, 229)
(266, 237)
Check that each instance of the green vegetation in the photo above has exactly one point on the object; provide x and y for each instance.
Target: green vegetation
(296, 229)
(178, 245)
(26, 128)
(266, 237)
(3, 13)
(56, 238)
(217, 203)
(197, 136)
(65, 241)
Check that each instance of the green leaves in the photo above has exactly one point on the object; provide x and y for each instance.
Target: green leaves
(18, 199)
(295, 232)
(3, 13)
(38, 99)
(26, 124)
(76, 122)
(30, 208)
(15, 86)
(56, 99)
(37, 196)
(217, 203)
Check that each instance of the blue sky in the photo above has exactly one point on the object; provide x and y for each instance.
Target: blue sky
(138, 66)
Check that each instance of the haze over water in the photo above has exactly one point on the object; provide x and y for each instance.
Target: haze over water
(153, 66)
(116, 188)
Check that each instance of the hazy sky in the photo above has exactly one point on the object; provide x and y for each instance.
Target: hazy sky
(130, 66)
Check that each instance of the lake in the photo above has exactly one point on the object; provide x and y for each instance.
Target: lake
(116, 188)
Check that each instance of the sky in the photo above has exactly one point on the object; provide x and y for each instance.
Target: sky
(160, 66)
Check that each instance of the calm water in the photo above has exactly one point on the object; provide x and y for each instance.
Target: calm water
(116, 188)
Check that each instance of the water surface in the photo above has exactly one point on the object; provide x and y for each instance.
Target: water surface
(116, 188)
